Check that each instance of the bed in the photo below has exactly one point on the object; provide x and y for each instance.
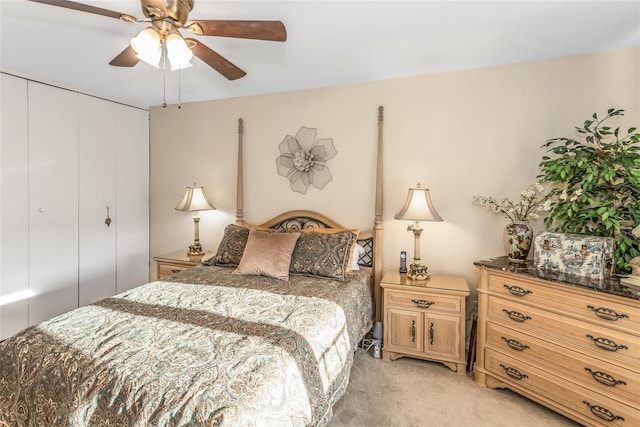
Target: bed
(229, 342)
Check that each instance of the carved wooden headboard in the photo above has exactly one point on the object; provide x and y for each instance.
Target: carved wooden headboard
(371, 241)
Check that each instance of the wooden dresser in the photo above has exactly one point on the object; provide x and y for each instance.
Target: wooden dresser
(569, 343)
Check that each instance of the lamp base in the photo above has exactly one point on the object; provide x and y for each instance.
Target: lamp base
(195, 250)
(418, 271)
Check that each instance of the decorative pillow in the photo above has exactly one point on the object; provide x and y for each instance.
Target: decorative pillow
(231, 246)
(357, 252)
(324, 254)
(268, 254)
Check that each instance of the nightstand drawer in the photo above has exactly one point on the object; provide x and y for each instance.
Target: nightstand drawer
(601, 376)
(165, 270)
(174, 262)
(590, 337)
(422, 300)
(595, 309)
(592, 408)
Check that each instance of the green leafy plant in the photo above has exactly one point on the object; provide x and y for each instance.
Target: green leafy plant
(595, 185)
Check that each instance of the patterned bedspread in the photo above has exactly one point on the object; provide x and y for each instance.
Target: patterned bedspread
(203, 347)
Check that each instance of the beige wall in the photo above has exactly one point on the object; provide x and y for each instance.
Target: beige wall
(459, 133)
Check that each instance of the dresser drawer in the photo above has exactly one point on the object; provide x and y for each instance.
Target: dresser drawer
(422, 300)
(590, 407)
(590, 306)
(165, 270)
(593, 373)
(602, 341)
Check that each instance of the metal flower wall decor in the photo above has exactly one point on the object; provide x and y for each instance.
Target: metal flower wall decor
(302, 160)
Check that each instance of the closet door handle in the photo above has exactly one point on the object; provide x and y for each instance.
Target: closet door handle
(108, 219)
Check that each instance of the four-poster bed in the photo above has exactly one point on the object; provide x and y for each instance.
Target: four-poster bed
(229, 342)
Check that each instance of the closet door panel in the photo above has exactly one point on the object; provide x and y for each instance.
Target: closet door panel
(53, 201)
(133, 198)
(98, 121)
(14, 202)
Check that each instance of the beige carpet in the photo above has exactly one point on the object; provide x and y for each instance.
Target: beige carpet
(410, 392)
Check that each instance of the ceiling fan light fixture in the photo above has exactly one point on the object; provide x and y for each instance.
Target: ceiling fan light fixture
(178, 52)
(148, 46)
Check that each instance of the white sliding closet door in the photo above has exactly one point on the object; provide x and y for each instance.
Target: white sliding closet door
(53, 201)
(98, 123)
(133, 198)
(14, 205)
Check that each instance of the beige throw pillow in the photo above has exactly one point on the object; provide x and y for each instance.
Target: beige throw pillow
(268, 254)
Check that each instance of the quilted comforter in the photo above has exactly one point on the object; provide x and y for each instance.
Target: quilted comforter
(203, 347)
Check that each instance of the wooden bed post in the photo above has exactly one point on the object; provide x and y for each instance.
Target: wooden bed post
(239, 183)
(377, 224)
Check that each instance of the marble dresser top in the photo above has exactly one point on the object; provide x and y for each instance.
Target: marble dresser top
(611, 286)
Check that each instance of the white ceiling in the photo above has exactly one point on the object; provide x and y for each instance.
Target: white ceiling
(329, 43)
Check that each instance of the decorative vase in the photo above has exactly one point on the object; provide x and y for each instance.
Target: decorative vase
(518, 237)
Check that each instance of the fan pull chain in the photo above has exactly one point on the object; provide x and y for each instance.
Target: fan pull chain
(179, 88)
(164, 77)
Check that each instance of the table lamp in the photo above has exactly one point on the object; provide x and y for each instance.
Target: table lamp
(417, 207)
(195, 200)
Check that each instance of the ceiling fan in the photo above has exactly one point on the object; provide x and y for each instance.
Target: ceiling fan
(166, 19)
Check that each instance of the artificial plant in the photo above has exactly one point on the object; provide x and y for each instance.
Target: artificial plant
(595, 185)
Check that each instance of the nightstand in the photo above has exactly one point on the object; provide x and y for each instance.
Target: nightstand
(425, 319)
(174, 262)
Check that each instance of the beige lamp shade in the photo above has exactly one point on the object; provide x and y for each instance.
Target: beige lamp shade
(195, 199)
(418, 206)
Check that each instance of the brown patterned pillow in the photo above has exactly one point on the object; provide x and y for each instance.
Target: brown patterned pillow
(231, 247)
(268, 254)
(323, 254)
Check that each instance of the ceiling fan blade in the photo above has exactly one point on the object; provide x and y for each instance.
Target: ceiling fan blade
(88, 8)
(215, 60)
(258, 30)
(126, 58)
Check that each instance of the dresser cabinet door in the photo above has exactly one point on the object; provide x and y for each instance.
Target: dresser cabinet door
(405, 330)
(442, 336)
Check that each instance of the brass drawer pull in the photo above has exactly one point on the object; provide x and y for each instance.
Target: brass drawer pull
(606, 343)
(517, 291)
(175, 270)
(604, 378)
(515, 344)
(513, 372)
(516, 316)
(413, 331)
(431, 333)
(422, 303)
(607, 313)
(602, 413)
